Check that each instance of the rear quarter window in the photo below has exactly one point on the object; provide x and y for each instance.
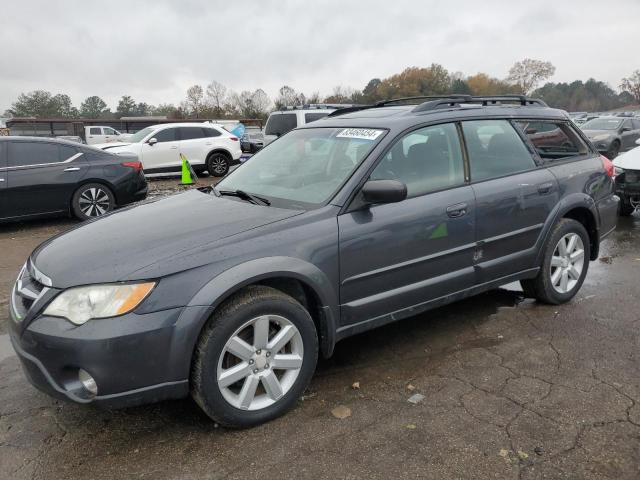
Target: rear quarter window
(554, 141)
(312, 117)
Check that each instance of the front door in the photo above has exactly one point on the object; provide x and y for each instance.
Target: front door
(41, 177)
(514, 196)
(397, 257)
(163, 156)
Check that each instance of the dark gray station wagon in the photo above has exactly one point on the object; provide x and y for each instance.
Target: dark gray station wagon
(366, 217)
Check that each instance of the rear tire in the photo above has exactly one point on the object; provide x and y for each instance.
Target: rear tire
(218, 164)
(240, 344)
(564, 265)
(92, 200)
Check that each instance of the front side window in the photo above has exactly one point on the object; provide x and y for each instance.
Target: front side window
(306, 167)
(22, 154)
(280, 123)
(190, 133)
(553, 140)
(110, 131)
(495, 149)
(166, 135)
(425, 160)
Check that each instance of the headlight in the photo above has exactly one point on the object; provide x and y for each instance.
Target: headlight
(81, 304)
(618, 171)
(599, 138)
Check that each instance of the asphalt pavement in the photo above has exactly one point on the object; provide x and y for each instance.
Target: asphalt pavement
(500, 387)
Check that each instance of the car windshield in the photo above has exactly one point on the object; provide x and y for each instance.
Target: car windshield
(602, 124)
(138, 136)
(304, 168)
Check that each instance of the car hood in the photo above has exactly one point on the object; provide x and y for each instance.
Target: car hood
(594, 133)
(629, 160)
(114, 247)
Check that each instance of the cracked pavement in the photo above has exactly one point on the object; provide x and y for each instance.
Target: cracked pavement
(513, 389)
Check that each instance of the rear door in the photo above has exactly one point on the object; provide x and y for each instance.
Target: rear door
(163, 156)
(402, 255)
(194, 144)
(94, 135)
(42, 176)
(514, 197)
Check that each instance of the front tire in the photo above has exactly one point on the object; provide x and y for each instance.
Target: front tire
(218, 164)
(92, 200)
(564, 266)
(254, 358)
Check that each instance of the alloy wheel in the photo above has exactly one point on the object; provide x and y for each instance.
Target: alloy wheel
(567, 263)
(219, 165)
(260, 362)
(94, 202)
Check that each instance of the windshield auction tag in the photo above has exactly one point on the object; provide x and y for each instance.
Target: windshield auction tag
(360, 133)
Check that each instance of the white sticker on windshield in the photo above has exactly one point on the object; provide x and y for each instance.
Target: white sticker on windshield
(361, 133)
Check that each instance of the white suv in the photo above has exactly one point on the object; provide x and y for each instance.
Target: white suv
(207, 147)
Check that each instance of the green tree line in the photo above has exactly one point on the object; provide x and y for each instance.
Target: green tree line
(215, 100)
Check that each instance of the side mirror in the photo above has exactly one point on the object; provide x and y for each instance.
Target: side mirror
(384, 191)
(152, 141)
(625, 129)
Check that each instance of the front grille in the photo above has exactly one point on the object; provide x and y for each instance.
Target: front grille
(27, 290)
(631, 176)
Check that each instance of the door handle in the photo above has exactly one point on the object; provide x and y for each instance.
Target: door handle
(174, 148)
(457, 210)
(545, 188)
(71, 169)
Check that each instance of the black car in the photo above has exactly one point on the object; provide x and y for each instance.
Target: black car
(47, 177)
(363, 218)
(252, 141)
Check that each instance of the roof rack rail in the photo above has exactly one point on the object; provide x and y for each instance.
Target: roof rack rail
(420, 97)
(485, 101)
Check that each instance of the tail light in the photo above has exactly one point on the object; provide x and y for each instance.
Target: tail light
(136, 165)
(235, 139)
(609, 168)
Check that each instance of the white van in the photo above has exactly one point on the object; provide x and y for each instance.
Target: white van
(283, 121)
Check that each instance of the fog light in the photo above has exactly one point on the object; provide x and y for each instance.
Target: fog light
(88, 382)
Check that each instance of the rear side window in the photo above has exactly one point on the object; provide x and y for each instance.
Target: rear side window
(424, 160)
(553, 140)
(32, 153)
(191, 133)
(166, 135)
(210, 132)
(280, 123)
(495, 149)
(312, 117)
(95, 131)
(66, 152)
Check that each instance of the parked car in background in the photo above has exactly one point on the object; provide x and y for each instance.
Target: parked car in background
(340, 226)
(207, 146)
(47, 177)
(612, 135)
(252, 141)
(283, 121)
(627, 168)
(95, 135)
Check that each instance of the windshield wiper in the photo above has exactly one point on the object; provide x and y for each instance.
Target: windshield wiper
(244, 196)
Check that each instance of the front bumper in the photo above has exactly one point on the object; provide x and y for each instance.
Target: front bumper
(134, 359)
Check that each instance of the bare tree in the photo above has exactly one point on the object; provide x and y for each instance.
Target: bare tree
(195, 100)
(528, 74)
(287, 96)
(217, 95)
(631, 84)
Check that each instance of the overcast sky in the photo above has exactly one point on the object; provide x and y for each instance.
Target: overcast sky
(154, 50)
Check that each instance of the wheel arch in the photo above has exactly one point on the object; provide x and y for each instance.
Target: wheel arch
(582, 208)
(301, 280)
(224, 151)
